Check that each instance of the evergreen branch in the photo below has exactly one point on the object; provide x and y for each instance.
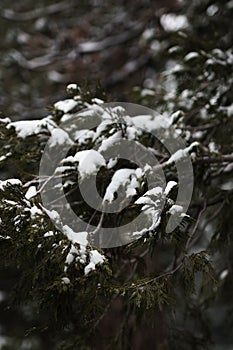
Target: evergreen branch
(202, 160)
(152, 280)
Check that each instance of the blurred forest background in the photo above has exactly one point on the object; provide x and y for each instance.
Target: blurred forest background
(47, 45)
(121, 48)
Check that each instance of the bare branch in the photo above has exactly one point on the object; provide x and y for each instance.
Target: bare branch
(191, 238)
(218, 159)
(88, 47)
(170, 272)
(39, 12)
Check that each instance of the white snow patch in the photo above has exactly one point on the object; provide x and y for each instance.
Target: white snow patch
(83, 135)
(9, 181)
(102, 127)
(152, 201)
(75, 237)
(174, 49)
(72, 87)
(89, 162)
(223, 274)
(177, 68)
(71, 255)
(111, 163)
(66, 117)
(59, 137)
(169, 187)
(95, 258)
(26, 128)
(89, 46)
(133, 132)
(53, 215)
(176, 209)
(110, 141)
(35, 211)
(148, 33)
(31, 192)
(62, 169)
(181, 153)
(212, 10)
(147, 92)
(227, 186)
(131, 188)
(156, 45)
(5, 237)
(191, 55)
(229, 5)
(144, 200)
(98, 101)
(228, 168)
(81, 239)
(120, 178)
(66, 105)
(10, 202)
(228, 110)
(5, 120)
(151, 122)
(2, 158)
(65, 280)
(172, 22)
(49, 234)
(213, 147)
(156, 191)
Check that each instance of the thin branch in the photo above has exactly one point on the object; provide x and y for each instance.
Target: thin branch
(88, 47)
(213, 201)
(168, 273)
(191, 238)
(39, 12)
(111, 41)
(214, 215)
(218, 159)
(104, 312)
(202, 127)
(224, 158)
(128, 69)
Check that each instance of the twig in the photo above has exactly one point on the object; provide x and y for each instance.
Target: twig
(218, 159)
(214, 214)
(111, 41)
(39, 12)
(213, 201)
(191, 237)
(202, 127)
(129, 68)
(206, 159)
(171, 272)
(83, 48)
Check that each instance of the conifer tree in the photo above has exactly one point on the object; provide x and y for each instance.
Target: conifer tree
(162, 290)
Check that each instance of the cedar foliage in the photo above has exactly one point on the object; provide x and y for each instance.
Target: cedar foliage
(169, 289)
